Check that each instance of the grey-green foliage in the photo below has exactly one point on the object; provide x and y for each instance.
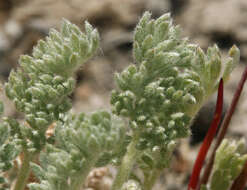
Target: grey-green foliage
(157, 157)
(228, 164)
(41, 86)
(81, 142)
(9, 149)
(171, 79)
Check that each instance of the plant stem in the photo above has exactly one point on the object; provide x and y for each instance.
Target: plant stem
(207, 140)
(127, 164)
(223, 128)
(24, 171)
(79, 180)
(150, 181)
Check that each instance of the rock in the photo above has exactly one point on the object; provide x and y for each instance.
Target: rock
(222, 21)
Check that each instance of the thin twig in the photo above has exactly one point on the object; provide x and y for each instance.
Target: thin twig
(223, 128)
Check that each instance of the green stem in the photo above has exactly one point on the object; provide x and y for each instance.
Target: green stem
(150, 181)
(79, 180)
(127, 164)
(24, 171)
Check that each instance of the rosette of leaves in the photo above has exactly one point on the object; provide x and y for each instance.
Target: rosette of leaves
(162, 92)
(81, 141)
(228, 164)
(40, 88)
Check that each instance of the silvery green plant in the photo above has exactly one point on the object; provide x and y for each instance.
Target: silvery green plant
(159, 95)
(41, 86)
(228, 164)
(9, 150)
(83, 141)
(162, 92)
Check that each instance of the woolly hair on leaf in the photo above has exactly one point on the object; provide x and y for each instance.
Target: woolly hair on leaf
(81, 143)
(228, 164)
(9, 150)
(170, 81)
(41, 86)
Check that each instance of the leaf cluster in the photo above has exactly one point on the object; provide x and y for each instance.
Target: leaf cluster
(170, 81)
(83, 141)
(228, 164)
(40, 88)
(159, 94)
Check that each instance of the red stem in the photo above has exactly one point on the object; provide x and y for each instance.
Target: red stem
(240, 182)
(224, 127)
(207, 141)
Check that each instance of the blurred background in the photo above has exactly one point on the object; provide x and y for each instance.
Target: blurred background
(23, 22)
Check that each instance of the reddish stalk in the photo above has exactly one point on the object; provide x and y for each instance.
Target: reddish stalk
(241, 180)
(207, 141)
(223, 128)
